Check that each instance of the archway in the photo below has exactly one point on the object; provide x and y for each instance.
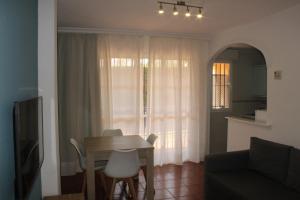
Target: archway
(237, 87)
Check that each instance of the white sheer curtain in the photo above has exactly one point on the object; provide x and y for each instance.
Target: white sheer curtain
(155, 85)
(121, 76)
(175, 99)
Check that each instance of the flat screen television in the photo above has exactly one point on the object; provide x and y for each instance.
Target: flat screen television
(28, 143)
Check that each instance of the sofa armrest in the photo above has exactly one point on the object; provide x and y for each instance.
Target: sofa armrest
(226, 161)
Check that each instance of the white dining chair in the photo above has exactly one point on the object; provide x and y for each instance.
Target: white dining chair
(112, 132)
(151, 138)
(99, 165)
(123, 166)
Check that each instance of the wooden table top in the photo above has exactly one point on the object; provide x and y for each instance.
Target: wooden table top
(110, 143)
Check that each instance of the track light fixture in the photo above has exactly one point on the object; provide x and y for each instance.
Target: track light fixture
(161, 9)
(199, 15)
(188, 12)
(175, 11)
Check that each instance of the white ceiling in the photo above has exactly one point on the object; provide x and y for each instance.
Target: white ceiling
(141, 15)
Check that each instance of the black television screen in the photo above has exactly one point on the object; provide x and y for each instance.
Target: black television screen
(28, 139)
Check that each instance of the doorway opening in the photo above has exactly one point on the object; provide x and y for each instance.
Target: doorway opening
(238, 77)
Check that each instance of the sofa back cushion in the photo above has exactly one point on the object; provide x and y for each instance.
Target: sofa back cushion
(293, 178)
(269, 158)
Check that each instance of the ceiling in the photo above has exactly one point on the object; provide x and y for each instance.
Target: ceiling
(141, 15)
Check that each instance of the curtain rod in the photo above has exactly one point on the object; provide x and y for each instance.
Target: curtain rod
(131, 32)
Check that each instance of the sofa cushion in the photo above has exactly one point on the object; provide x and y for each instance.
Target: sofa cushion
(293, 178)
(250, 185)
(269, 158)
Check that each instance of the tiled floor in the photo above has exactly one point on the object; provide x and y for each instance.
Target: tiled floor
(180, 182)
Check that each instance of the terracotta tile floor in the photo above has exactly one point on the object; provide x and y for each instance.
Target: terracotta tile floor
(180, 182)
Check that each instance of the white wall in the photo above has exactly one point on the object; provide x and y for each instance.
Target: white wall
(278, 37)
(47, 80)
(239, 134)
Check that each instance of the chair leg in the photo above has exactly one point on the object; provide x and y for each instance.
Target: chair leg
(131, 188)
(144, 169)
(83, 187)
(124, 188)
(103, 183)
(112, 189)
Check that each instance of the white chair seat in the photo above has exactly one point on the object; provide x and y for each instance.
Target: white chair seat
(122, 164)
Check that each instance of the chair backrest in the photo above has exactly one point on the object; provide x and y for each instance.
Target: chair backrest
(112, 132)
(123, 164)
(79, 153)
(151, 138)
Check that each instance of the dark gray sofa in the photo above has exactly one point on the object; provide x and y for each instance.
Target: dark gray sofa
(266, 171)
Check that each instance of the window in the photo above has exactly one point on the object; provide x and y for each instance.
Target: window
(134, 91)
(221, 86)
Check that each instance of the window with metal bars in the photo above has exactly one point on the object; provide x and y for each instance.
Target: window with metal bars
(221, 86)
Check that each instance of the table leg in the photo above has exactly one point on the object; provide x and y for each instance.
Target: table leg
(90, 171)
(150, 175)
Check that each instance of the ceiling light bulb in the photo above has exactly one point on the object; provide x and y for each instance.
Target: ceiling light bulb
(175, 11)
(187, 14)
(199, 15)
(161, 10)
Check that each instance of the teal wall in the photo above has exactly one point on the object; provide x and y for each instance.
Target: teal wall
(18, 80)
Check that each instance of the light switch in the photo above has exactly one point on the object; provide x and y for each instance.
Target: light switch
(277, 75)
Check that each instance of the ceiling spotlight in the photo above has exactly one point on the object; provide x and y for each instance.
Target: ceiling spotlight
(180, 5)
(161, 10)
(199, 15)
(175, 11)
(187, 14)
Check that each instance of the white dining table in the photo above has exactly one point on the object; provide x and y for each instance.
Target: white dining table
(99, 148)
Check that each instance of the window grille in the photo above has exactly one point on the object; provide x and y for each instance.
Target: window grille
(221, 86)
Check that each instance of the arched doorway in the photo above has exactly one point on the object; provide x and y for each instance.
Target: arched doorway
(237, 87)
